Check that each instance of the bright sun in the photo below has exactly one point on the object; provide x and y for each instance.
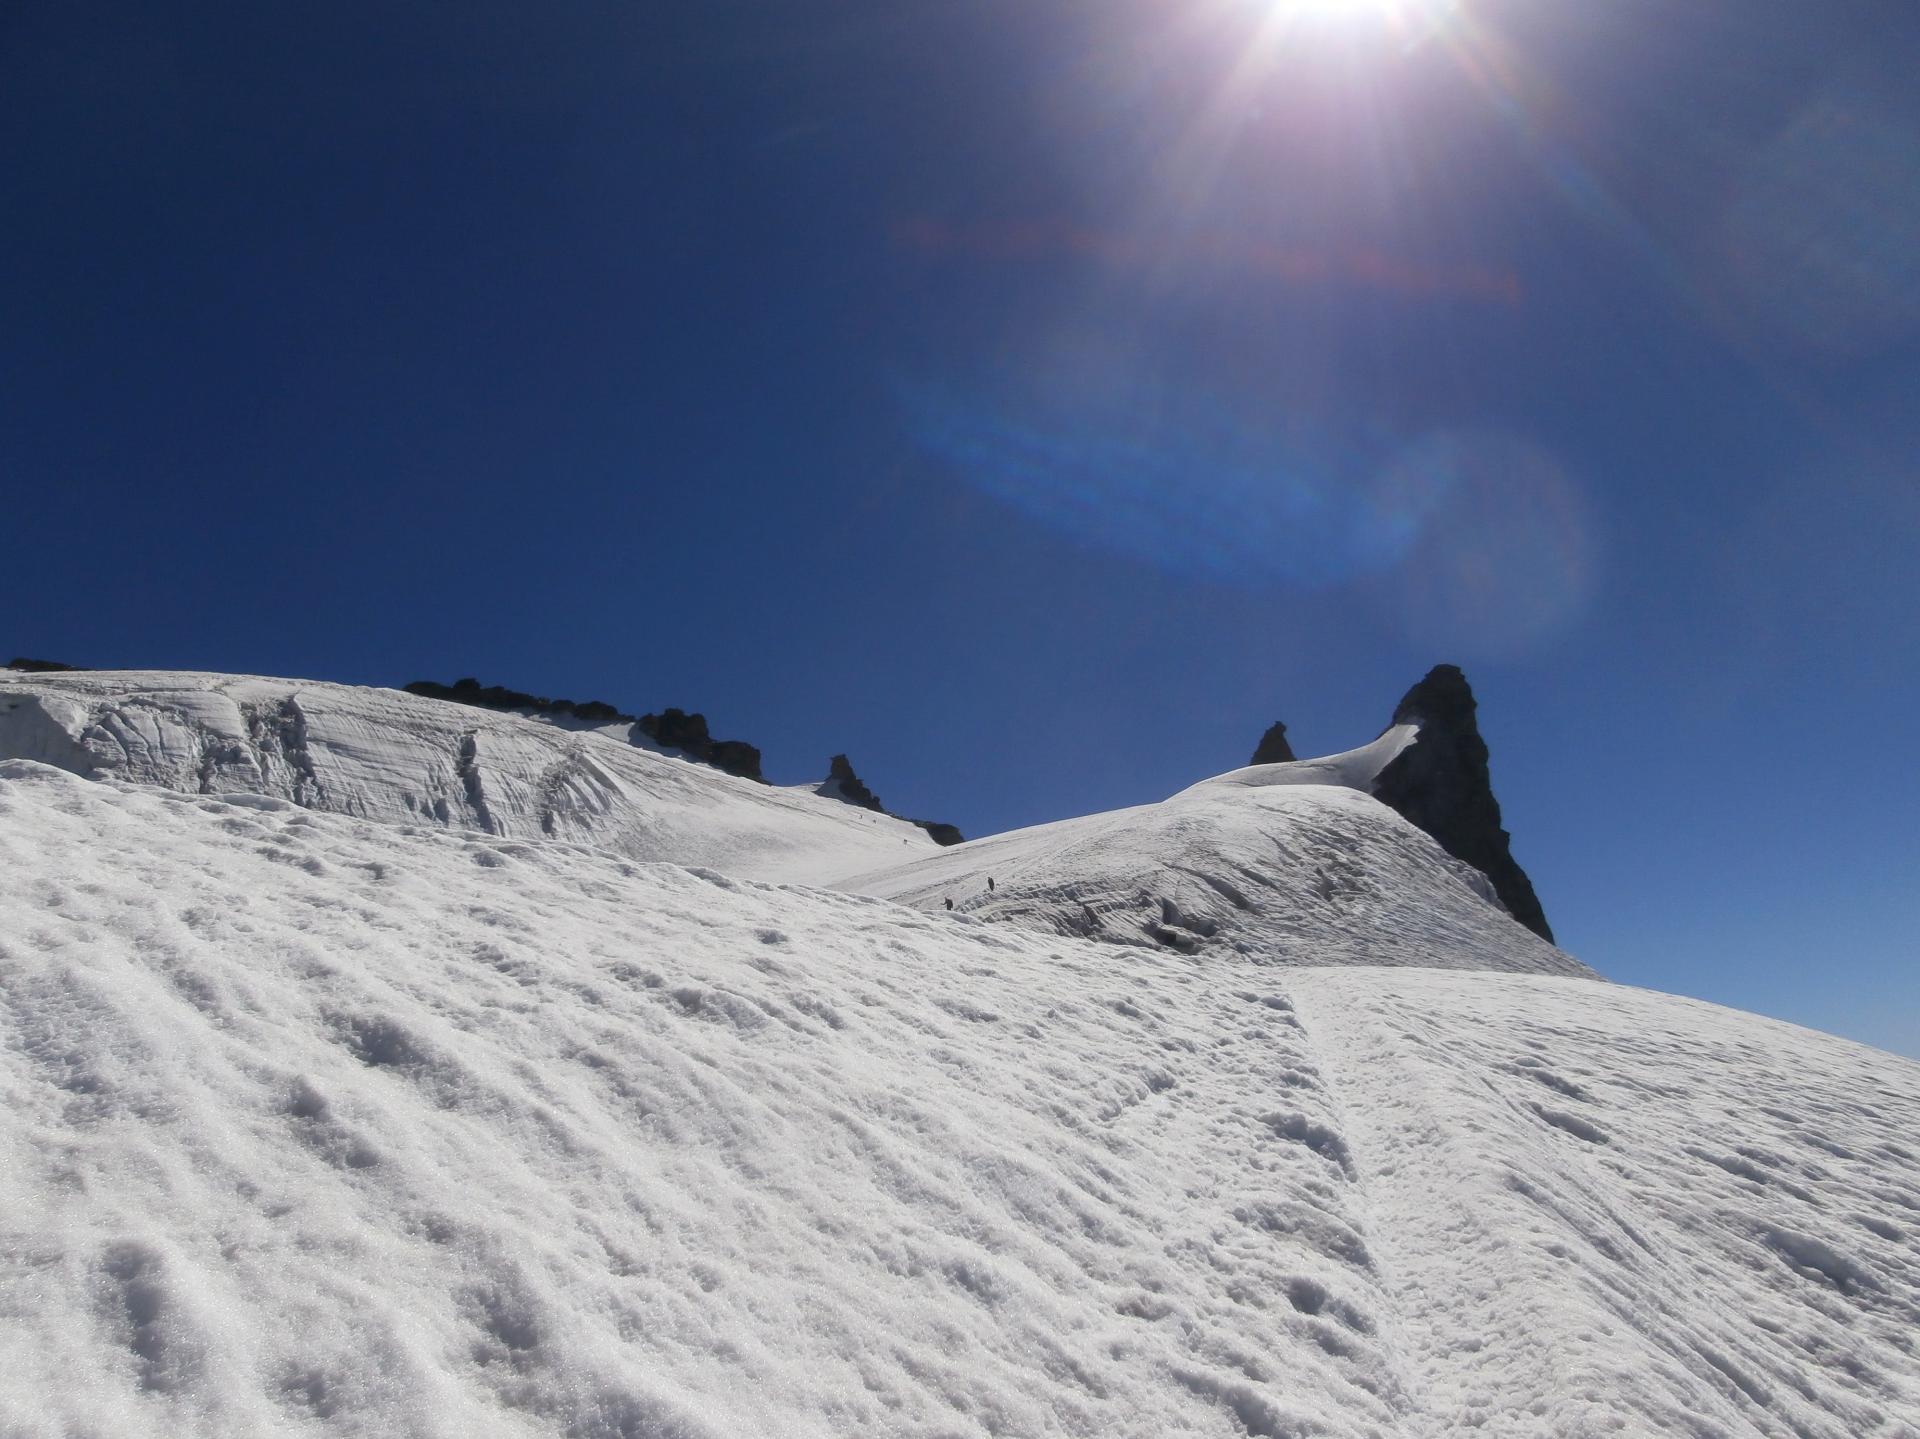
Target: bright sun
(1409, 13)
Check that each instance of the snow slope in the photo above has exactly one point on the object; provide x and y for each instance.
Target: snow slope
(1275, 862)
(386, 755)
(1294, 863)
(320, 1126)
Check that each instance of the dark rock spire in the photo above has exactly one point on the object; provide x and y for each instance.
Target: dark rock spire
(1440, 783)
(1273, 748)
(844, 784)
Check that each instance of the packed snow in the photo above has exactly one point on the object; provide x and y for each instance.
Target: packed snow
(387, 755)
(320, 1125)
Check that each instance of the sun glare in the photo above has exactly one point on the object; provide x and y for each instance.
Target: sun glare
(1392, 8)
(1404, 15)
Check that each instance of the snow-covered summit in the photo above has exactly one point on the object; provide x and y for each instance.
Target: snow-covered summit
(1430, 766)
(1344, 859)
(1290, 864)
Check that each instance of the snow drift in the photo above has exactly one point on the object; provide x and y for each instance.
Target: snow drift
(322, 1126)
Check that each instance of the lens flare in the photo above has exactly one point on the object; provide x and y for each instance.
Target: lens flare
(1505, 554)
(1821, 231)
(1189, 483)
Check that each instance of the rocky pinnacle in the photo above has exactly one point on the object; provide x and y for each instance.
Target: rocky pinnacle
(1273, 748)
(1440, 783)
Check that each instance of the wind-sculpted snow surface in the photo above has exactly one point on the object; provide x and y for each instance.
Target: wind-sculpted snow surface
(1275, 863)
(382, 754)
(316, 1126)
(1654, 1215)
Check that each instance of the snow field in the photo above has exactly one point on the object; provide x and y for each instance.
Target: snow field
(322, 1126)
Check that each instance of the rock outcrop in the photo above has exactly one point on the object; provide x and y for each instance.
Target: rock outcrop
(670, 729)
(843, 784)
(1273, 747)
(40, 667)
(1440, 782)
(676, 729)
(499, 697)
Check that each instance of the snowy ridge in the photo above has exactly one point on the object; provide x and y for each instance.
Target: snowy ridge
(1272, 862)
(321, 1126)
(1356, 769)
(386, 755)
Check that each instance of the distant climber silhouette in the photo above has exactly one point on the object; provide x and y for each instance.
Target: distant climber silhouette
(949, 902)
(989, 884)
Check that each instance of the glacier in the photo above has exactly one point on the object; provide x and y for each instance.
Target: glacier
(678, 1106)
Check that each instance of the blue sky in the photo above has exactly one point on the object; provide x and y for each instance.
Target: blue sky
(1032, 400)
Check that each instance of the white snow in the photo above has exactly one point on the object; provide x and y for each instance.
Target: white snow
(1270, 862)
(387, 755)
(319, 1125)
(1356, 769)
